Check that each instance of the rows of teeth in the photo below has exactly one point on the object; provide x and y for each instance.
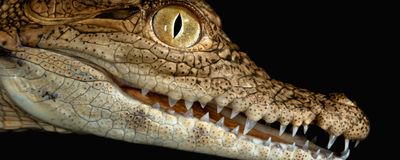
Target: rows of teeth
(250, 124)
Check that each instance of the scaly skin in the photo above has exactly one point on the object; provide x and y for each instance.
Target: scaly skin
(62, 68)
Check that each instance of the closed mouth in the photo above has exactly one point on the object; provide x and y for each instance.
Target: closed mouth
(261, 133)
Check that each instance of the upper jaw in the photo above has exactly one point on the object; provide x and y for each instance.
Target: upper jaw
(332, 105)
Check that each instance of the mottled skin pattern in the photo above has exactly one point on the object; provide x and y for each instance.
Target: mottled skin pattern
(61, 68)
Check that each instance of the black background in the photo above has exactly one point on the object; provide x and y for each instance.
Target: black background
(322, 47)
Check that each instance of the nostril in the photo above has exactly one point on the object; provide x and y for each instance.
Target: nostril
(342, 99)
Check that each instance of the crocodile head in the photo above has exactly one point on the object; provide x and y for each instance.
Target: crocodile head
(172, 55)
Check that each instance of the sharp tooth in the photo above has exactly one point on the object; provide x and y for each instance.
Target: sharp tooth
(219, 109)
(294, 130)
(221, 122)
(332, 139)
(293, 145)
(346, 144)
(189, 113)
(172, 102)
(234, 114)
(346, 154)
(305, 128)
(330, 156)
(305, 147)
(171, 111)
(205, 117)
(236, 130)
(203, 105)
(156, 105)
(316, 154)
(357, 143)
(188, 104)
(282, 129)
(268, 142)
(248, 126)
(144, 91)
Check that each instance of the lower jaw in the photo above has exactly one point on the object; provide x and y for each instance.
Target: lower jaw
(260, 131)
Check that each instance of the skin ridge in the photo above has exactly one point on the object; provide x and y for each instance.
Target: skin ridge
(47, 45)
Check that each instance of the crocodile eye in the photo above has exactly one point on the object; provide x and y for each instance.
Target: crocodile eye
(176, 26)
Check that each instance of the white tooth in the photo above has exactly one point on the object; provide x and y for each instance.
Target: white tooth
(332, 139)
(188, 104)
(234, 114)
(203, 105)
(236, 130)
(221, 122)
(330, 156)
(205, 117)
(346, 154)
(219, 109)
(144, 91)
(189, 113)
(248, 126)
(316, 154)
(293, 145)
(346, 144)
(156, 105)
(305, 147)
(294, 130)
(172, 102)
(268, 142)
(171, 111)
(305, 128)
(357, 143)
(282, 129)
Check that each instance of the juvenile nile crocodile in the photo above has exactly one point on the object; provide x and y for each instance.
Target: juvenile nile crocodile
(87, 66)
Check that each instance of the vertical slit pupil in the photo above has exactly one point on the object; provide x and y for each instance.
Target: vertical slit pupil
(177, 25)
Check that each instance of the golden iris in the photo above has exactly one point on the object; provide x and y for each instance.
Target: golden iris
(176, 26)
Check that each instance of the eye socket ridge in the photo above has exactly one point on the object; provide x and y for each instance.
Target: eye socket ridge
(118, 14)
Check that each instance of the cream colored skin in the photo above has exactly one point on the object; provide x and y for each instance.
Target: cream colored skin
(59, 63)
